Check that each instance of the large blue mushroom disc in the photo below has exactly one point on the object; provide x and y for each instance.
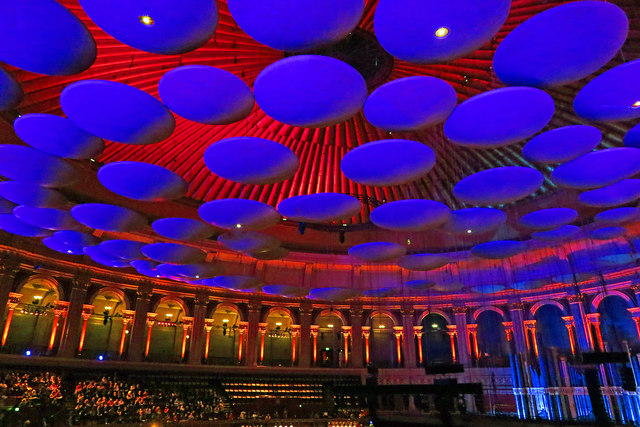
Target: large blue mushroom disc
(561, 45)
(142, 181)
(498, 185)
(598, 168)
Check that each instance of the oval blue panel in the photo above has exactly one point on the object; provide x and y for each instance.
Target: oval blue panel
(206, 94)
(251, 160)
(556, 235)
(423, 262)
(562, 144)
(498, 185)
(11, 224)
(333, 294)
(619, 193)
(598, 168)
(248, 241)
(488, 288)
(499, 117)
(381, 292)
(545, 219)
(146, 267)
(618, 215)
(101, 257)
(48, 218)
(28, 165)
(527, 285)
(128, 250)
(613, 95)
(410, 215)
(238, 282)
(420, 285)
(431, 31)
(320, 207)
(632, 138)
(198, 271)
(410, 103)
(285, 291)
(236, 214)
(607, 233)
(298, 25)
(310, 91)
(474, 221)
(43, 37)
(58, 136)
(561, 45)
(377, 251)
(52, 243)
(142, 181)
(182, 228)
(117, 112)
(75, 238)
(108, 217)
(173, 253)
(498, 249)
(388, 162)
(448, 286)
(11, 92)
(31, 195)
(166, 27)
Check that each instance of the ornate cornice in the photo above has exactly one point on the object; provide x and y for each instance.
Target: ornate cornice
(460, 310)
(576, 298)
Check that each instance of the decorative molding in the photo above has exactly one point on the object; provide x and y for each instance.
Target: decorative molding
(459, 310)
(575, 299)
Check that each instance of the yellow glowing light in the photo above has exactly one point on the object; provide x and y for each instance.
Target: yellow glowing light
(278, 323)
(146, 20)
(169, 315)
(441, 32)
(381, 327)
(225, 320)
(238, 225)
(636, 104)
(38, 297)
(330, 326)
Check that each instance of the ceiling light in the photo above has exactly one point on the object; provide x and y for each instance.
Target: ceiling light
(434, 325)
(381, 327)
(469, 231)
(225, 320)
(238, 225)
(146, 20)
(197, 277)
(636, 104)
(441, 33)
(278, 323)
(330, 325)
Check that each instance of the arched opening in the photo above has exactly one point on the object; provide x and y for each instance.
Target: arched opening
(550, 330)
(278, 340)
(492, 340)
(105, 326)
(32, 321)
(616, 324)
(383, 350)
(225, 335)
(167, 332)
(330, 346)
(436, 342)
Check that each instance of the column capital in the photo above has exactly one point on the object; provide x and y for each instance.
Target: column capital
(262, 328)
(151, 319)
(516, 306)
(569, 321)
(472, 327)
(530, 324)
(295, 330)
(201, 299)
(575, 299)
(82, 280)
(507, 325)
(593, 318)
(398, 330)
(9, 267)
(242, 326)
(417, 331)
(635, 288)
(407, 312)
(13, 300)
(254, 306)
(305, 309)
(315, 330)
(452, 329)
(356, 311)
(460, 310)
(366, 331)
(187, 322)
(346, 330)
(635, 312)
(128, 315)
(208, 324)
(145, 290)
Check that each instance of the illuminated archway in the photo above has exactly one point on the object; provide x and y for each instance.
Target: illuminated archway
(382, 344)
(169, 331)
(330, 342)
(224, 340)
(278, 339)
(104, 328)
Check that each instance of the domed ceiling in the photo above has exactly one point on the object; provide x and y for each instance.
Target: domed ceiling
(416, 109)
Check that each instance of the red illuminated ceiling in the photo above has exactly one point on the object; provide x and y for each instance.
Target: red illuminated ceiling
(320, 150)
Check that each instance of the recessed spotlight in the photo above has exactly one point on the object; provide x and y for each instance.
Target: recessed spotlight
(441, 33)
(344, 225)
(381, 327)
(469, 231)
(330, 325)
(69, 251)
(408, 241)
(636, 104)
(238, 225)
(146, 20)
(197, 277)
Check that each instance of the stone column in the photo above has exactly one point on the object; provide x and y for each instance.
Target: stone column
(397, 332)
(570, 325)
(417, 331)
(635, 313)
(252, 334)
(460, 314)
(451, 331)
(60, 310)
(409, 338)
(8, 270)
(197, 331)
(594, 319)
(208, 326)
(346, 333)
(87, 309)
(366, 333)
(69, 343)
(473, 332)
(137, 335)
(187, 335)
(127, 319)
(355, 315)
(242, 330)
(517, 320)
(583, 335)
(11, 304)
(151, 319)
(305, 336)
(262, 330)
(314, 346)
(530, 326)
(295, 333)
